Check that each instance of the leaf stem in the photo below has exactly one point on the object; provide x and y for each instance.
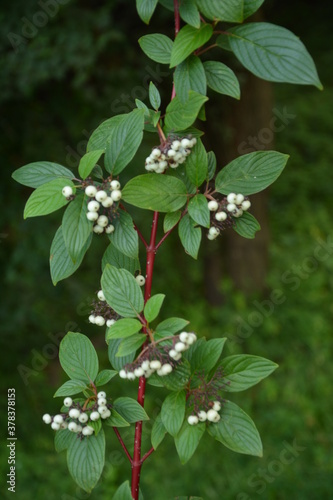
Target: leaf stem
(122, 444)
(147, 455)
(200, 52)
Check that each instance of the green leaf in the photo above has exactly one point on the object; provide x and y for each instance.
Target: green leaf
(246, 226)
(70, 388)
(145, 10)
(61, 264)
(123, 328)
(78, 357)
(86, 459)
(153, 307)
(47, 198)
(179, 115)
(231, 11)
(243, 371)
(199, 211)
(273, 53)
(122, 292)
(97, 426)
(41, 172)
(116, 258)
(187, 41)
(104, 377)
(190, 236)
(251, 173)
(173, 412)
(189, 13)
(130, 410)
(204, 355)
(154, 96)
(172, 325)
(188, 440)
(236, 430)
(76, 228)
(157, 47)
(100, 136)
(158, 432)
(155, 192)
(124, 491)
(63, 439)
(116, 420)
(88, 161)
(211, 164)
(197, 164)
(125, 238)
(190, 75)
(123, 141)
(222, 79)
(118, 362)
(178, 378)
(170, 220)
(131, 344)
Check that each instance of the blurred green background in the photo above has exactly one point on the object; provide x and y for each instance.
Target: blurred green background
(59, 79)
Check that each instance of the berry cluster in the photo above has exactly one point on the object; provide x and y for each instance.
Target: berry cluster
(102, 313)
(77, 417)
(233, 205)
(172, 153)
(211, 414)
(99, 208)
(161, 360)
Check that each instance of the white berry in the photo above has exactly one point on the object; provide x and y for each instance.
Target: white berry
(231, 207)
(92, 216)
(90, 191)
(140, 279)
(83, 418)
(175, 145)
(47, 418)
(109, 229)
(68, 402)
(193, 420)
(101, 394)
(171, 153)
(67, 191)
(239, 199)
(102, 221)
(213, 416)
(246, 205)
(214, 231)
(211, 237)
(101, 295)
(221, 216)
(115, 185)
(94, 416)
(185, 143)
(237, 213)
(93, 206)
(64, 425)
(213, 205)
(155, 365)
(174, 354)
(110, 322)
(98, 229)
(99, 321)
(101, 401)
(55, 426)
(92, 319)
(145, 365)
(122, 374)
(180, 347)
(217, 406)
(72, 426)
(116, 195)
(74, 413)
(102, 409)
(87, 430)
(202, 416)
(106, 414)
(231, 198)
(192, 338)
(184, 337)
(166, 369)
(139, 372)
(108, 202)
(58, 419)
(156, 153)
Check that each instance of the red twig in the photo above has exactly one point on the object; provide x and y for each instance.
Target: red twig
(140, 235)
(170, 231)
(147, 455)
(177, 29)
(122, 444)
(200, 52)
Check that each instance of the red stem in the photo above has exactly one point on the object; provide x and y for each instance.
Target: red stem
(177, 28)
(147, 455)
(122, 444)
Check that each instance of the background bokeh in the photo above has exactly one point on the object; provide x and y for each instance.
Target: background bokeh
(57, 82)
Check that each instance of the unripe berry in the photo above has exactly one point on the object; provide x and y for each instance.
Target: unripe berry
(83, 418)
(231, 207)
(68, 402)
(202, 416)
(106, 414)
(217, 406)
(140, 279)
(110, 322)
(93, 206)
(92, 319)
(185, 143)
(94, 416)
(101, 401)
(101, 195)
(90, 191)
(116, 195)
(175, 145)
(67, 191)
(193, 420)
(99, 321)
(102, 221)
(122, 374)
(74, 413)
(239, 199)
(155, 365)
(213, 205)
(184, 337)
(246, 205)
(115, 185)
(214, 231)
(221, 216)
(93, 216)
(180, 347)
(98, 229)
(231, 198)
(108, 202)
(101, 394)
(213, 416)
(101, 295)
(58, 419)
(47, 418)
(72, 426)
(166, 369)
(139, 372)
(55, 426)
(109, 229)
